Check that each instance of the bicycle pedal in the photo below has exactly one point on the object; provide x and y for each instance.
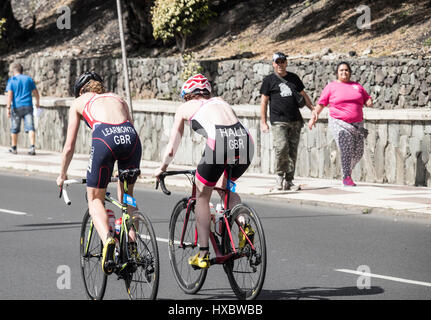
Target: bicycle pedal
(109, 267)
(197, 267)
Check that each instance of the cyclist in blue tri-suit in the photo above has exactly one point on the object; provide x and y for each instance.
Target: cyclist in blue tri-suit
(113, 139)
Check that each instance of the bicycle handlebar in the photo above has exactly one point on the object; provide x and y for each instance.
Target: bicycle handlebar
(66, 183)
(162, 177)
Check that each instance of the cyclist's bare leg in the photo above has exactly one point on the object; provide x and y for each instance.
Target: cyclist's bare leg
(130, 209)
(203, 215)
(234, 198)
(98, 214)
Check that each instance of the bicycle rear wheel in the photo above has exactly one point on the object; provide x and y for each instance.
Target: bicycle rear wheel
(189, 280)
(142, 272)
(91, 258)
(246, 272)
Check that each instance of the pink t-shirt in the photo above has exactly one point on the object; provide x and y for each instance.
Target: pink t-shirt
(345, 100)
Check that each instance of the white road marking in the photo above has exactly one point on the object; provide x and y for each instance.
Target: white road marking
(17, 213)
(372, 275)
(162, 239)
(175, 241)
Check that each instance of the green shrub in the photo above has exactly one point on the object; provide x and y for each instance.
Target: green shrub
(2, 26)
(191, 67)
(178, 19)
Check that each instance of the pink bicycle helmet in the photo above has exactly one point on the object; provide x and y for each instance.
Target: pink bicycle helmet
(196, 82)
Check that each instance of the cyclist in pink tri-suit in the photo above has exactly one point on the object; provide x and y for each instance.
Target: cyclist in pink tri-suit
(228, 142)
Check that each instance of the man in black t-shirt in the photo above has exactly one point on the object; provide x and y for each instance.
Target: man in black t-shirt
(285, 117)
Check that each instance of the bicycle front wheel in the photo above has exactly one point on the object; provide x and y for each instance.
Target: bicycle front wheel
(142, 279)
(246, 271)
(189, 280)
(91, 258)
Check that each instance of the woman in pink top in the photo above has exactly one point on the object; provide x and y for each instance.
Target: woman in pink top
(346, 100)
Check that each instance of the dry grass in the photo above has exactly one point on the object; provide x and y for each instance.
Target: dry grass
(391, 32)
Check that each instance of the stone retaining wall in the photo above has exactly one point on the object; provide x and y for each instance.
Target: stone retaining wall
(397, 149)
(393, 83)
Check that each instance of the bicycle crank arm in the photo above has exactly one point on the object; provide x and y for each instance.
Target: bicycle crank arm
(223, 259)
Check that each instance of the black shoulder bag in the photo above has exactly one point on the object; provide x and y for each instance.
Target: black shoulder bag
(300, 100)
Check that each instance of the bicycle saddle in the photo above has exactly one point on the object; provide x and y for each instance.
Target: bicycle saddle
(130, 175)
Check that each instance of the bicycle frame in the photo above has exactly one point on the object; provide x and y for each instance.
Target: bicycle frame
(239, 226)
(124, 230)
(121, 205)
(220, 257)
(135, 262)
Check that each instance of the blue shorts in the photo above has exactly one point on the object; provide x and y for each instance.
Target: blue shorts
(17, 115)
(112, 143)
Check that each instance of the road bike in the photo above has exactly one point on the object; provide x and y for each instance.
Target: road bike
(238, 242)
(136, 262)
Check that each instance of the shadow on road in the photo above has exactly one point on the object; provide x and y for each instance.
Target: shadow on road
(225, 293)
(44, 226)
(318, 293)
(309, 293)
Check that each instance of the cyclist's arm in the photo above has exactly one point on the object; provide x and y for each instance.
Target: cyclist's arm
(129, 116)
(69, 146)
(175, 138)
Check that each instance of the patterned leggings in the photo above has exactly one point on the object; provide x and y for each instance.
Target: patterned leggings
(350, 141)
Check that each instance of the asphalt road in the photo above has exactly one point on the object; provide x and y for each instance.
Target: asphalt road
(313, 252)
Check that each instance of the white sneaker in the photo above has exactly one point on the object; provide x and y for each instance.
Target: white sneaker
(32, 151)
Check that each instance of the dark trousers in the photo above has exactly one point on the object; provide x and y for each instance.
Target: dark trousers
(285, 142)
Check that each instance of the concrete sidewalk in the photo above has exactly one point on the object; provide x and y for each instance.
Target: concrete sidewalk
(367, 197)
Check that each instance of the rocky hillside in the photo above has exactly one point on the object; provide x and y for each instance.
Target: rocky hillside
(241, 29)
